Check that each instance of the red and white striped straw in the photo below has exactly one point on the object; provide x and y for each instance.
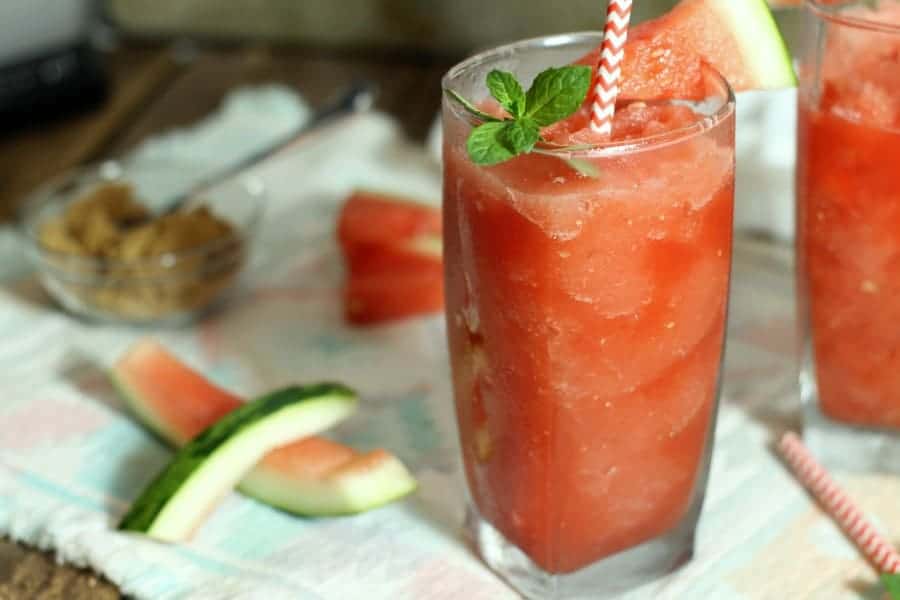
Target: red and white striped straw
(839, 505)
(618, 16)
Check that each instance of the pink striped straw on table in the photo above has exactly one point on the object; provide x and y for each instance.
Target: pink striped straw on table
(839, 505)
(618, 17)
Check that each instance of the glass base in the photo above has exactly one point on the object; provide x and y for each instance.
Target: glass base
(607, 578)
(839, 445)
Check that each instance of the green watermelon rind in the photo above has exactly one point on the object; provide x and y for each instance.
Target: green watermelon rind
(201, 472)
(339, 497)
(427, 245)
(762, 46)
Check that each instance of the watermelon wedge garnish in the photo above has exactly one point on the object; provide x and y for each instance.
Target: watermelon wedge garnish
(392, 249)
(313, 476)
(739, 38)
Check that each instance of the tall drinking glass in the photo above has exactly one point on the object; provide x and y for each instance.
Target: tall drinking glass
(848, 232)
(586, 301)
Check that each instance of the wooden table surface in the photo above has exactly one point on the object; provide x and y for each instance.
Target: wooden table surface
(154, 89)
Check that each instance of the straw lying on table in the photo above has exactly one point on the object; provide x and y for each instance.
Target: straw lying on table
(841, 508)
(609, 71)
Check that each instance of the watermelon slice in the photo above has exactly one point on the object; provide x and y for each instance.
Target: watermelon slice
(209, 466)
(374, 299)
(327, 479)
(663, 56)
(312, 476)
(392, 248)
(420, 254)
(167, 396)
(371, 218)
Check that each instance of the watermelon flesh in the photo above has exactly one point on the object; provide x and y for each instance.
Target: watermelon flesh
(392, 250)
(312, 476)
(374, 299)
(372, 219)
(167, 396)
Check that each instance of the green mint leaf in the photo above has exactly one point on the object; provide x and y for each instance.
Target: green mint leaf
(891, 584)
(471, 108)
(521, 135)
(494, 143)
(487, 144)
(557, 93)
(507, 91)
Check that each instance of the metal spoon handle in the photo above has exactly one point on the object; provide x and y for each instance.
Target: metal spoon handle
(358, 97)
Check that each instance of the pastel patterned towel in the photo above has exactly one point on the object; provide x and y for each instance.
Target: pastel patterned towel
(71, 459)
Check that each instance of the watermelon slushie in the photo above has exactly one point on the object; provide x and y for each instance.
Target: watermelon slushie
(848, 203)
(586, 294)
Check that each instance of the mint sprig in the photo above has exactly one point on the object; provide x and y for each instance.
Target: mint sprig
(891, 584)
(557, 93)
(481, 115)
(554, 95)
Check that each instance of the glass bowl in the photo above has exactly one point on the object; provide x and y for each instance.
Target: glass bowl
(171, 288)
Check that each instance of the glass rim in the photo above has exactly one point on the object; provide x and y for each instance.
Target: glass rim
(832, 13)
(599, 149)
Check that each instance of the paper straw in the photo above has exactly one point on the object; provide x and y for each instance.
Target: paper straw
(618, 16)
(839, 505)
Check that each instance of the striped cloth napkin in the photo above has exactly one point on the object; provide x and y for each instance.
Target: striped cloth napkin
(71, 459)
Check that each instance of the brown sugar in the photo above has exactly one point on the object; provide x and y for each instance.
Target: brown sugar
(114, 256)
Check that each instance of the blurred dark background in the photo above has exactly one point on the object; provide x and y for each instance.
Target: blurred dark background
(448, 27)
(444, 27)
(82, 80)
